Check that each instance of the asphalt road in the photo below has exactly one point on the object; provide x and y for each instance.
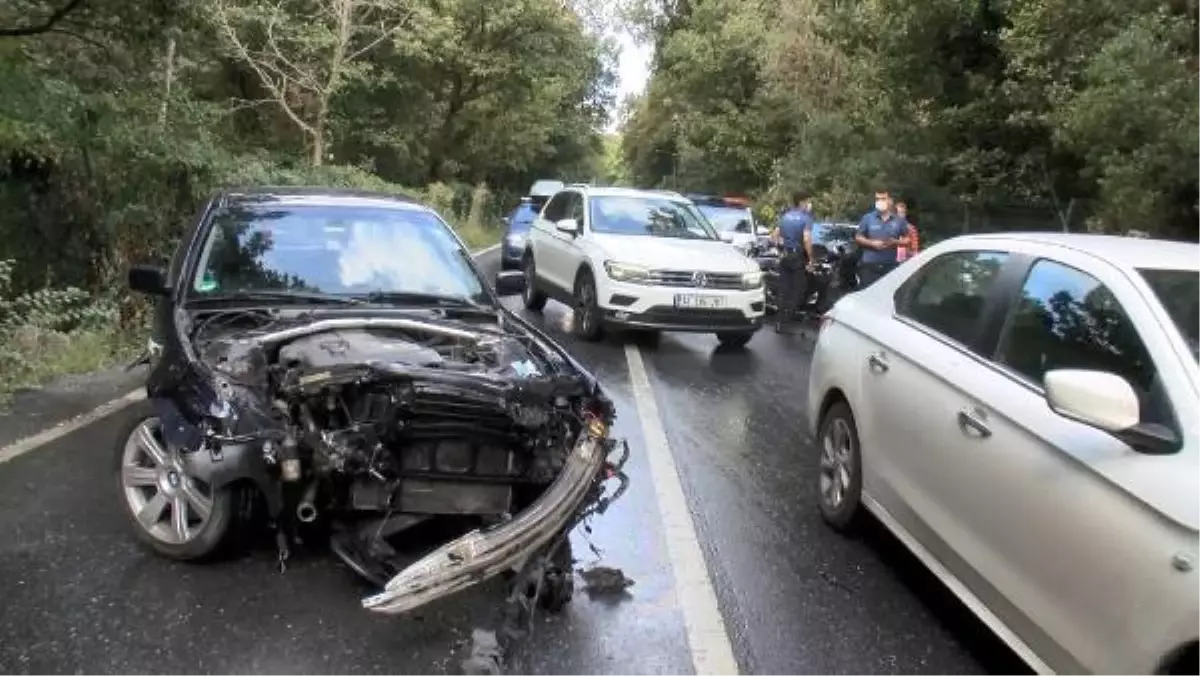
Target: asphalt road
(78, 595)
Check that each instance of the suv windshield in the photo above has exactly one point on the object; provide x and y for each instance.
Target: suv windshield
(651, 216)
(335, 250)
(1179, 293)
(727, 219)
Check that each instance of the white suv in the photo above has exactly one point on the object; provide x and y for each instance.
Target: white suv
(640, 259)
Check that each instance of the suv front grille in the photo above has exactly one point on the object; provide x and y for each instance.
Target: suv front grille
(694, 279)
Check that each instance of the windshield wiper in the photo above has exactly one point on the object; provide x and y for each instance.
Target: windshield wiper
(285, 295)
(422, 298)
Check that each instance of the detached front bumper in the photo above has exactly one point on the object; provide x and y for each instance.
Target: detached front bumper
(483, 554)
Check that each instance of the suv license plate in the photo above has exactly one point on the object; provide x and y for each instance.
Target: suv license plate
(699, 302)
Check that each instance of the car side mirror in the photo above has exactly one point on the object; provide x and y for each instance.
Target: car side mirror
(1107, 402)
(148, 279)
(568, 225)
(510, 282)
(725, 236)
(1097, 398)
(762, 231)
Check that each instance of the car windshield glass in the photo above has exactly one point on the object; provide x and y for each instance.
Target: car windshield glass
(1179, 293)
(832, 233)
(726, 219)
(650, 216)
(337, 250)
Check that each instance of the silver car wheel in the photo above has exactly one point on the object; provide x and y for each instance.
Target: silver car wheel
(837, 462)
(167, 504)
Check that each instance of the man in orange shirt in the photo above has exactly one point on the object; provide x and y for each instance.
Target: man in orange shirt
(914, 243)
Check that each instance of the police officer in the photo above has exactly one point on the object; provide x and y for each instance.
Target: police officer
(880, 232)
(794, 235)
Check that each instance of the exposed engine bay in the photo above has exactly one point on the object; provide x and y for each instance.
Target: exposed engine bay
(374, 424)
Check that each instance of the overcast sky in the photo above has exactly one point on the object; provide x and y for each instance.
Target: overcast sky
(632, 71)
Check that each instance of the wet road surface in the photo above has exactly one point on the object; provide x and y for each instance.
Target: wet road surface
(78, 595)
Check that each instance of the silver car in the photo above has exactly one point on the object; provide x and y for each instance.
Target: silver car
(1021, 410)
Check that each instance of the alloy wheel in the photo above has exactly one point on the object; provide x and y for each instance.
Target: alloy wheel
(587, 304)
(168, 504)
(837, 463)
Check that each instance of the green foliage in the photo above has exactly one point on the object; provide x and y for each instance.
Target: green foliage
(1084, 110)
(122, 117)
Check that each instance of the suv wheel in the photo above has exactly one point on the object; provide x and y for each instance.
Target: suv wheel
(588, 322)
(534, 299)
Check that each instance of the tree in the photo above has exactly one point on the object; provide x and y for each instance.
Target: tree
(305, 52)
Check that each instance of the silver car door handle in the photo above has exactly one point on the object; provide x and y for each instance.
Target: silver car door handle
(971, 419)
(877, 363)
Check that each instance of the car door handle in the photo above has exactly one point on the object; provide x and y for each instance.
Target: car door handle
(973, 419)
(877, 362)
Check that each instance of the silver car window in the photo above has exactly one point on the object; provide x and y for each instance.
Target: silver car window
(948, 295)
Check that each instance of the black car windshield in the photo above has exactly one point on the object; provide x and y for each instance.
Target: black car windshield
(1179, 293)
(650, 216)
(340, 250)
(832, 234)
(727, 219)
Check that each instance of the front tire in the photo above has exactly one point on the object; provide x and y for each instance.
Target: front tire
(588, 323)
(176, 515)
(734, 339)
(534, 299)
(839, 483)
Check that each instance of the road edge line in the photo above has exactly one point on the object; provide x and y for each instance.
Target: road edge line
(708, 640)
(65, 427)
(22, 446)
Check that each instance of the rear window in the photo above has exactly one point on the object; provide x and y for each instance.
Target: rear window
(726, 218)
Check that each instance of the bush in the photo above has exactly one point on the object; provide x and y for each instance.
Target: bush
(52, 332)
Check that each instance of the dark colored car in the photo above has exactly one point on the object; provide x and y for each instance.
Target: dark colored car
(835, 258)
(516, 224)
(340, 355)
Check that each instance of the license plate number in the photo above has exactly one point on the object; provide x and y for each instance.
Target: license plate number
(692, 300)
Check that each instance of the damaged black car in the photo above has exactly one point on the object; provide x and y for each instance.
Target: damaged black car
(338, 358)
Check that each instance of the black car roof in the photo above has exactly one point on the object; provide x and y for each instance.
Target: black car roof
(318, 196)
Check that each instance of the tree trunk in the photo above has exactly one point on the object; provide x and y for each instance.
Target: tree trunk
(168, 78)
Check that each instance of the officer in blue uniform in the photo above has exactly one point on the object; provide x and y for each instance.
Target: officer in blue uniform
(794, 235)
(880, 232)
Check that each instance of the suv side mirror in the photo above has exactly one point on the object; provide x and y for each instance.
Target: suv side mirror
(568, 225)
(725, 236)
(510, 282)
(148, 279)
(762, 231)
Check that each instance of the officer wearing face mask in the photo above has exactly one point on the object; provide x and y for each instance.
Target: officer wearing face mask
(880, 233)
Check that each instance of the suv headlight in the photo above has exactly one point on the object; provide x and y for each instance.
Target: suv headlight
(623, 272)
(516, 239)
(752, 280)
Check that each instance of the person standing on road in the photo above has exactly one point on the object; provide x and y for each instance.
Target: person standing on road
(914, 242)
(794, 235)
(880, 232)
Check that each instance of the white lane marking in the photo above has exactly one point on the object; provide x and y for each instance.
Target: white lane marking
(712, 652)
(66, 427)
(35, 441)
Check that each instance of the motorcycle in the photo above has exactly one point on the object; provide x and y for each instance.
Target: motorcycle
(830, 272)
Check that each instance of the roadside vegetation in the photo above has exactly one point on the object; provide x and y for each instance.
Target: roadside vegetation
(119, 117)
(1076, 115)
